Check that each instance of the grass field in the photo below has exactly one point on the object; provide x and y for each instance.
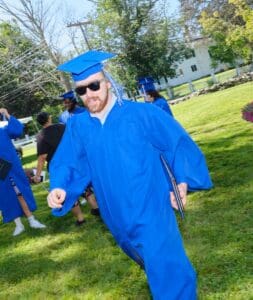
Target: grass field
(66, 262)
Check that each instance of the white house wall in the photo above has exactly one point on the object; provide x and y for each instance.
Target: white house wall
(201, 60)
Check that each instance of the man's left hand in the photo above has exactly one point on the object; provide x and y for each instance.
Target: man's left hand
(183, 194)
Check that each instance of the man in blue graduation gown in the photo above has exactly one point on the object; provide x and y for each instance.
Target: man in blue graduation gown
(119, 152)
(16, 197)
(72, 108)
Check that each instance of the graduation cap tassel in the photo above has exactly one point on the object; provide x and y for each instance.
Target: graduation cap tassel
(116, 87)
(144, 92)
(174, 186)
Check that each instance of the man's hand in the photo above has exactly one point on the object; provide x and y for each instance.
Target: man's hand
(183, 192)
(4, 112)
(56, 198)
(36, 179)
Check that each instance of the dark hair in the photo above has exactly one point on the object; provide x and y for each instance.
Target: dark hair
(72, 99)
(42, 118)
(154, 94)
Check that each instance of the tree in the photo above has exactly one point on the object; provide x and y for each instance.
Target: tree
(38, 21)
(241, 37)
(191, 10)
(24, 80)
(141, 36)
(189, 14)
(232, 33)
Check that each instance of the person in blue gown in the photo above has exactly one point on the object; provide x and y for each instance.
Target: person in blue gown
(16, 197)
(71, 107)
(152, 96)
(119, 152)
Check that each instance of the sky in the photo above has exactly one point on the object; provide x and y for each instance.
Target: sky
(72, 11)
(77, 4)
(81, 7)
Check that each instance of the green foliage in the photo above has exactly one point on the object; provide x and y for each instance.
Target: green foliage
(24, 82)
(140, 35)
(231, 31)
(65, 262)
(54, 111)
(210, 82)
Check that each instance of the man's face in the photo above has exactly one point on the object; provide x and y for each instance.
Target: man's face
(68, 104)
(95, 101)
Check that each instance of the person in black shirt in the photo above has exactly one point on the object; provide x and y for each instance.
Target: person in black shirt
(48, 140)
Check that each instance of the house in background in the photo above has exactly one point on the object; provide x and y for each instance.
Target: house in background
(196, 65)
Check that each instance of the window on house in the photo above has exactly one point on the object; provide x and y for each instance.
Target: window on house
(194, 68)
(190, 53)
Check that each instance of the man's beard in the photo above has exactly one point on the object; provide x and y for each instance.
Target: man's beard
(98, 104)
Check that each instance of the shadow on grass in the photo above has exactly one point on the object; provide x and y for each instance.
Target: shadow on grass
(216, 231)
(218, 227)
(77, 261)
(230, 164)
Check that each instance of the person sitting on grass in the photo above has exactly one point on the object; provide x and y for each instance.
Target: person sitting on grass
(16, 195)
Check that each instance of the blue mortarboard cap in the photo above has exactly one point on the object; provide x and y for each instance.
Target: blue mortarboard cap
(146, 84)
(85, 64)
(145, 80)
(68, 95)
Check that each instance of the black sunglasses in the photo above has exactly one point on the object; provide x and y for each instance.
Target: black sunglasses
(93, 86)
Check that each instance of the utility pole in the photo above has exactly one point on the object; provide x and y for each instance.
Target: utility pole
(82, 25)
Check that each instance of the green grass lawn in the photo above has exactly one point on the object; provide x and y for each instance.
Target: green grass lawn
(66, 262)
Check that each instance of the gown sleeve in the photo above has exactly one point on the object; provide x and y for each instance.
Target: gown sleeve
(14, 128)
(181, 152)
(69, 169)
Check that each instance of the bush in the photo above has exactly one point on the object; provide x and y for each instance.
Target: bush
(247, 112)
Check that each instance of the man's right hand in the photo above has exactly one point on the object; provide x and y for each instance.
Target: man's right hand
(36, 179)
(55, 198)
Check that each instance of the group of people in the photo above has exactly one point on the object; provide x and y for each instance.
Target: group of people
(18, 199)
(48, 140)
(117, 145)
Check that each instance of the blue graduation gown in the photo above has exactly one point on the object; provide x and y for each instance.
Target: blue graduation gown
(63, 118)
(122, 160)
(163, 104)
(9, 204)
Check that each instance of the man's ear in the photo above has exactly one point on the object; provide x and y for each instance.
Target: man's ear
(108, 84)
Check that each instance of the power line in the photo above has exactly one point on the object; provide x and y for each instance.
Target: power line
(25, 86)
(19, 59)
(81, 25)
